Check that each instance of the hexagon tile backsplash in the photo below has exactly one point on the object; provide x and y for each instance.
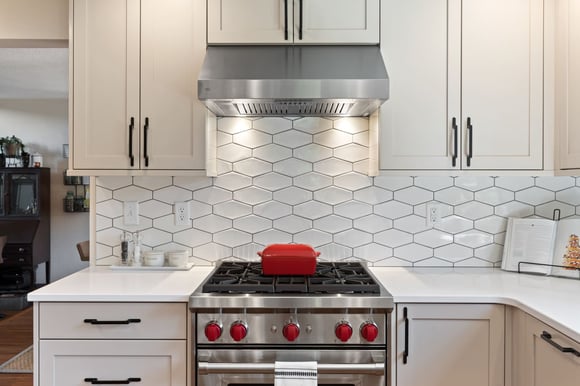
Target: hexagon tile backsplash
(283, 180)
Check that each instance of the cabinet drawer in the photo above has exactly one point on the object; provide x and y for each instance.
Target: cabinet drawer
(113, 320)
(82, 362)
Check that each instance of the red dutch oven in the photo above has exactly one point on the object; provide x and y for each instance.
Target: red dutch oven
(288, 259)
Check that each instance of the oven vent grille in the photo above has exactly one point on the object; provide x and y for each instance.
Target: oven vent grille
(298, 108)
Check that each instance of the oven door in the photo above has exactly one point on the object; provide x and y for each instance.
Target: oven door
(255, 367)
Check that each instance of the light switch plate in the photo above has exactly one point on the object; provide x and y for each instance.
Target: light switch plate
(131, 213)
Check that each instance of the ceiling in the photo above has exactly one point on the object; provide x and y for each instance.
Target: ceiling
(33, 73)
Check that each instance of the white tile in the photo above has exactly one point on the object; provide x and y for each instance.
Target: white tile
(454, 196)
(192, 183)
(144, 223)
(352, 152)
(272, 236)
(353, 209)
(272, 210)
(293, 139)
(313, 153)
(392, 262)
(555, 183)
(103, 194)
(492, 224)
(352, 125)
(474, 210)
(155, 237)
(199, 209)
(312, 125)
(312, 181)
(373, 223)
(273, 181)
(114, 182)
(473, 262)
(103, 252)
(473, 238)
(361, 138)
(252, 167)
(292, 167)
(474, 183)
(192, 237)
(232, 238)
(535, 196)
(253, 195)
(232, 209)
(252, 224)
(223, 138)
(292, 195)
(434, 183)
(212, 223)
(292, 224)
(132, 193)
(570, 196)
(103, 222)
(313, 210)
(454, 224)
(373, 252)
(332, 167)
(232, 181)
(110, 237)
(252, 138)
(393, 183)
(393, 209)
(492, 253)
(212, 252)
(411, 224)
(444, 209)
(167, 223)
(353, 181)
(152, 182)
(172, 194)
(547, 210)
(233, 153)
(332, 195)
(514, 183)
(223, 167)
(212, 195)
(499, 238)
(353, 238)
(373, 195)
(110, 208)
(413, 195)
(272, 153)
(154, 209)
(233, 125)
(413, 252)
(453, 252)
(393, 238)
(333, 252)
(313, 237)
(494, 196)
(433, 262)
(433, 238)
(248, 251)
(514, 209)
(333, 138)
(333, 224)
(272, 125)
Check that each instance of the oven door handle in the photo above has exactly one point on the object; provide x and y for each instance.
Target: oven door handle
(205, 368)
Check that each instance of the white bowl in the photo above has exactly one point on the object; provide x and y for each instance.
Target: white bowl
(176, 258)
(153, 258)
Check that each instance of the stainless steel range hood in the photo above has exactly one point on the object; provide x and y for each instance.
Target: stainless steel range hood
(293, 80)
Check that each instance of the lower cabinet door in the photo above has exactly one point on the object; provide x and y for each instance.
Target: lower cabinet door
(85, 362)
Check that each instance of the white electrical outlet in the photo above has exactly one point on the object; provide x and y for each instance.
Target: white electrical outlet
(432, 216)
(131, 213)
(181, 213)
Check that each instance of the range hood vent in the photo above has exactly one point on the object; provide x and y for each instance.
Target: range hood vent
(293, 80)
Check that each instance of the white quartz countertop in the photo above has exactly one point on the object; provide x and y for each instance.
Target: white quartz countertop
(555, 301)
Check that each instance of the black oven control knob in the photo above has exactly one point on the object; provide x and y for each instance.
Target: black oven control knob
(238, 330)
(213, 330)
(343, 331)
(369, 331)
(291, 331)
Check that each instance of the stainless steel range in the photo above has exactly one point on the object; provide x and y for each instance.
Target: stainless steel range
(244, 322)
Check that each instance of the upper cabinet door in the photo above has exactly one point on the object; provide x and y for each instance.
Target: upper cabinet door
(249, 21)
(502, 83)
(105, 83)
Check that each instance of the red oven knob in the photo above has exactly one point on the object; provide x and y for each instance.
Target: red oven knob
(369, 331)
(291, 331)
(213, 330)
(343, 331)
(238, 330)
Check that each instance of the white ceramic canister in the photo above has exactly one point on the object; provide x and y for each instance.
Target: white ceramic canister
(176, 258)
(153, 258)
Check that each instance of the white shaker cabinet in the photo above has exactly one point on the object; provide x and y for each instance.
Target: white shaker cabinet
(293, 22)
(133, 98)
(466, 85)
(449, 344)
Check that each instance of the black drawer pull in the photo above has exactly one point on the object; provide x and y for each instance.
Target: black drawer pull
(548, 338)
(95, 381)
(406, 351)
(96, 321)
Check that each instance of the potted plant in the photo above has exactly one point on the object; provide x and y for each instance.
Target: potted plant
(11, 146)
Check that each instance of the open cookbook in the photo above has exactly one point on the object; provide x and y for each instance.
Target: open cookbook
(542, 246)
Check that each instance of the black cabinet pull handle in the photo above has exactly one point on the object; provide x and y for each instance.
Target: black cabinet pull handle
(548, 338)
(145, 131)
(406, 352)
(470, 141)
(96, 321)
(301, 20)
(95, 381)
(131, 127)
(285, 19)
(454, 128)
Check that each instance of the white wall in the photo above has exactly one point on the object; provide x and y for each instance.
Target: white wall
(42, 126)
